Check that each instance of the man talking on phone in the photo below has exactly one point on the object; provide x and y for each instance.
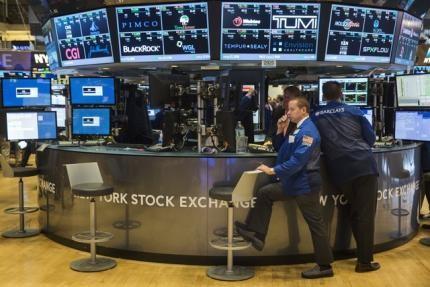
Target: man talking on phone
(298, 178)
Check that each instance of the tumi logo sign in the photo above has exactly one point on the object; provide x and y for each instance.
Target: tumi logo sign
(141, 49)
(295, 22)
(73, 54)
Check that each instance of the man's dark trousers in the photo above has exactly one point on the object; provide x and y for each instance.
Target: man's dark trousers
(258, 218)
(362, 193)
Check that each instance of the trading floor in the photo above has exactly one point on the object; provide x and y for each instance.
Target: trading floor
(38, 261)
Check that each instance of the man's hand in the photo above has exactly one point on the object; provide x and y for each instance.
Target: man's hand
(267, 170)
(283, 123)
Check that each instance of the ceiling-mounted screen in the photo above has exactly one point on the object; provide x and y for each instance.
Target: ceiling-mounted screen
(360, 34)
(413, 90)
(84, 38)
(354, 90)
(173, 32)
(50, 42)
(274, 31)
(407, 44)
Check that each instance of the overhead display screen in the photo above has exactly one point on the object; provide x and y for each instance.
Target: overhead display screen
(50, 41)
(269, 31)
(358, 34)
(84, 38)
(174, 32)
(354, 90)
(413, 90)
(408, 40)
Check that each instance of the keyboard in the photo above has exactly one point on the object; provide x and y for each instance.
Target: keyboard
(159, 148)
(258, 148)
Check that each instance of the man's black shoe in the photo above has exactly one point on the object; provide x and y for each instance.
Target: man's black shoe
(250, 236)
(367, 267)
(317, 272)
(241, 225)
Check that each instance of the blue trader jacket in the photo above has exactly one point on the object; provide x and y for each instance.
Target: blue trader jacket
(346, 140)
(297, 164)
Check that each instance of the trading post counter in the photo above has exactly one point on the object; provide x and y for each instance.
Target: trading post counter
(160, 210)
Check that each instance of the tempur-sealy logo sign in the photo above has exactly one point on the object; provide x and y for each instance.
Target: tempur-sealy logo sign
(295, 22)
(347, 24)
(141, 49)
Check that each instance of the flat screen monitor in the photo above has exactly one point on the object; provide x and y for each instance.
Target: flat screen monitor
(31, 126)
(92, 91)
(269, 31)
(413, 90)
(360, 34)
(368, 114)
(84, 38)
(409, 37)
(94, 122)
(355, 90)
(152, 113)
(172, 32)
(50, 42)
(412, 125)
(58, 100)
(61, 116)
(26, 92)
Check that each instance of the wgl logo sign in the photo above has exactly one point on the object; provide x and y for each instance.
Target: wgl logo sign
(186, 48)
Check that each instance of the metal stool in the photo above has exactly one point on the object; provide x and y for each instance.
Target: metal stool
(243, 192)
(426, 240)
(85, 180)
(19, 172)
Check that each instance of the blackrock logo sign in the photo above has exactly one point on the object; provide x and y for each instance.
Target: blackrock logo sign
(141, 49)
(347, 24)
(295, 22)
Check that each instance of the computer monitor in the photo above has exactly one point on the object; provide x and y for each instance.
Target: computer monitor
(92, 91)
(412, 125)
(18, 92)
(31, 126)
(61, 116)
(413, 90)
(354, 90)
(91, 122)
(368, 114)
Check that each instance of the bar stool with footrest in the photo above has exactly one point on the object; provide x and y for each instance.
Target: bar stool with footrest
(85, 180)
(242, 192)
(19, 172)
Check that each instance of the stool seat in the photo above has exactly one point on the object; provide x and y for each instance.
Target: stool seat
(24, 171)
(92, 189)
(221, 193)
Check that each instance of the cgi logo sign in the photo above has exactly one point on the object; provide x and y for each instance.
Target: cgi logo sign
(139, 24)
(141, 49)
(186, 48)
(73, 54)
(295, 22)
(347, 24)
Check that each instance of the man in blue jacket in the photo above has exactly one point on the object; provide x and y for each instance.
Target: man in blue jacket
(297, 167)
(346, 140)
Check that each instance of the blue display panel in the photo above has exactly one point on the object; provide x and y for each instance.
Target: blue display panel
(50, 42)
(92, 91)
(407, 44)
(174, 32)
(413, 90)
(26, 92)
(84, 38)
(31, 125)
(355, 90)
(359, 34)
(412, 125)
(90, 122)
(368, 114)
(269, 31)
